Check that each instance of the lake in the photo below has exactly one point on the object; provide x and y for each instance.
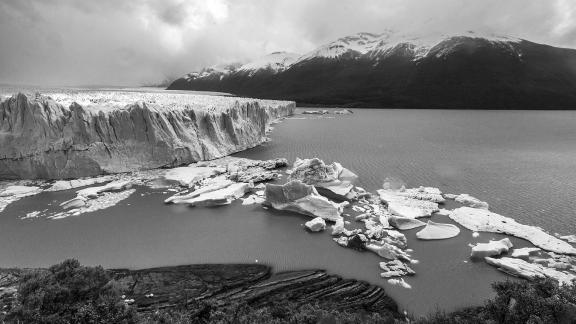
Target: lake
(521, 162)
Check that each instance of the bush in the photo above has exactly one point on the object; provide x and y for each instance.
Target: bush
(70, 293)
(286, 312)
(541, 301)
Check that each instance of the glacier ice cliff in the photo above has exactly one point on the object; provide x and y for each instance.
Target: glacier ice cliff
(71, 135)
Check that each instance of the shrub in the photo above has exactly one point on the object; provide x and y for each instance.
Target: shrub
(70, 293)
(541, 301)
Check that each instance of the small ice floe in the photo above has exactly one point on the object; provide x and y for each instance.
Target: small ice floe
(481, 220)
(400, 282)
(150, 295)
(317, 224)
(569, 238)
(12, 193)
(470, 201)
(524, 253)
(475, 234)
(492, 248)
(438, 231)
(530, 271)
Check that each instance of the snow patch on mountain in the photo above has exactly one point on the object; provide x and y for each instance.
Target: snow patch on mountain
(276, 62)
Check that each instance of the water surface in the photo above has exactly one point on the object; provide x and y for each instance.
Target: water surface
(520, 162)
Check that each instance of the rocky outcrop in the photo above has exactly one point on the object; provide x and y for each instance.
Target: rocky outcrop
(91, 133)
(197, 287)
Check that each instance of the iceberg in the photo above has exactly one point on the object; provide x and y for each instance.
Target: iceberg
(530, 271)
(333, 180)
(407, 207)
(301, 198)
(492, 248)
(438, 231)
(316, 225)
(481, 220)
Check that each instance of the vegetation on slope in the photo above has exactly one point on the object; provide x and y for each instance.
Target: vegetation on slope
(71, 293)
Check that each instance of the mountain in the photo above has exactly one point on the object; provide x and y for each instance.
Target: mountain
(464, 70)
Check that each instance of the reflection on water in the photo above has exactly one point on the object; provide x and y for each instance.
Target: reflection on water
(519, 162)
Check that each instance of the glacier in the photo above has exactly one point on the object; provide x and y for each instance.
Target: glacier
(76, 134)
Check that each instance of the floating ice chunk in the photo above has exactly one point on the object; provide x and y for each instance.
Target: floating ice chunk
(399, 282)
(404, 223)
(470, 201)
(524, 253)
(187, 176)
(438, 231)
(569, 238)
(491, 248)
(482, 220)
(407, 207)
(316, 225)
(302, 198)
(531, 271)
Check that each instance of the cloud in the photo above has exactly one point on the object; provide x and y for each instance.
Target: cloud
(110, 42)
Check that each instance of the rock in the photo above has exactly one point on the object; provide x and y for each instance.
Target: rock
(569, 238)
(470, 201)
(333, 180)
(222, 196)
(301, 198)
(401, 205)
(76, 202)
(404, 223)
(438, 231)
(188, 176)
(80, 134)
(395, 268)
(482, 220)
(530, 271)
(357, 242)
(316, 225)
(492, 248)
(524, 253)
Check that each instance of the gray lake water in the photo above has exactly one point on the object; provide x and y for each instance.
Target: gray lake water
(521, 162)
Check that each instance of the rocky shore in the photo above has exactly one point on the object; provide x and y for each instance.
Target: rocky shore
(213, 285)
(79, 134)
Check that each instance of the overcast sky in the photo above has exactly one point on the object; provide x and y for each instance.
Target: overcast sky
(123, 42)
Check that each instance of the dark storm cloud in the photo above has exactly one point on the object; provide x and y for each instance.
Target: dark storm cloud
(129, 42)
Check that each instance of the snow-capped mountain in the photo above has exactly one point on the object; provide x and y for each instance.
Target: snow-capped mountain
(467, 70)
(274, 62)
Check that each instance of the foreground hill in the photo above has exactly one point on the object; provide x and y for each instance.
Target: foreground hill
(465, 70)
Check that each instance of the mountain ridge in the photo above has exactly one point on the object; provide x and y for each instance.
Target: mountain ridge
(392, 70)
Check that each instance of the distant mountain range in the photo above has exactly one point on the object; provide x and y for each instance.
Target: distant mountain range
(392, 70)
